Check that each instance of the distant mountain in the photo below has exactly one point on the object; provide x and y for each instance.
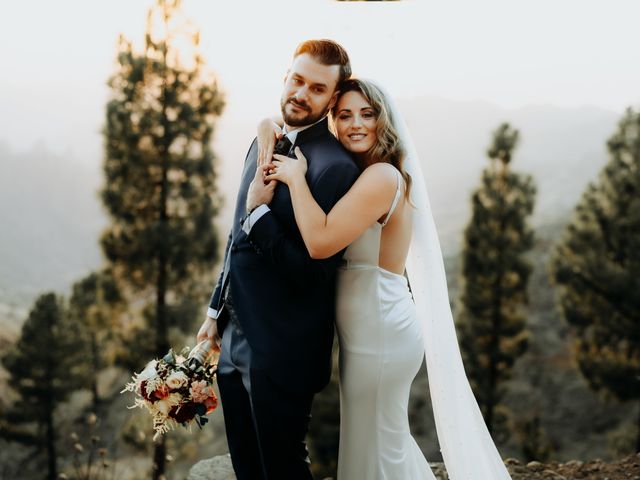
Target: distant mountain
(50, 219)
(562, 148)
(51, 215)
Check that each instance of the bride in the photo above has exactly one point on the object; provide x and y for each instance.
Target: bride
(384, 328)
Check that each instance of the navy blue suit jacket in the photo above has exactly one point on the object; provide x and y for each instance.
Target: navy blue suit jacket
(284, 299)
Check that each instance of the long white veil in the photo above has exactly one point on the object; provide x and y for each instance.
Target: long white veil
(466, 445)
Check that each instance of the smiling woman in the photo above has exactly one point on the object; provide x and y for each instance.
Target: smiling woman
(355, 123)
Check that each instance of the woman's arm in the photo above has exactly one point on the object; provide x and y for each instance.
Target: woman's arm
(325, 234)
(269, 131)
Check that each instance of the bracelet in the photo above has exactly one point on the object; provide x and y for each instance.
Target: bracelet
(250, 210)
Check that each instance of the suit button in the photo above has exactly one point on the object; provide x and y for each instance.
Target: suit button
(233, 248)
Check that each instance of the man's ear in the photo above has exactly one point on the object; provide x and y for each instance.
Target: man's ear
(334, 99)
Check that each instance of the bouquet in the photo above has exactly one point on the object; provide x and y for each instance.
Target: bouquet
(177, 389)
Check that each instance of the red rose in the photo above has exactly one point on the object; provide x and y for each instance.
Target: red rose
(161, 392)
(211, 403)
(183, 413)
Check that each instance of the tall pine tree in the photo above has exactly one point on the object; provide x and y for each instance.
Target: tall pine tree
(94, 304)
(495, 274)
(45, 366)
(597, 267)
(159, 171)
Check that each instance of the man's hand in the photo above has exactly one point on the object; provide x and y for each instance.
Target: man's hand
(259, 191)
(209, 330)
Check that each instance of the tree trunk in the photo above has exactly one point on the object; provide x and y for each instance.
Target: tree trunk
(638, 434)
(162, 341)
(496, 320)
(50, 442)
(95, 366)
(159, 459)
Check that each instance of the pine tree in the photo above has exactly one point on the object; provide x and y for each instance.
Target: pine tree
(95, 305)
(597, 267)
(159, 171)
(45, 366)
(495, 274)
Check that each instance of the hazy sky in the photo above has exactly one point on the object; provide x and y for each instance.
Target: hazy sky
(56, 56)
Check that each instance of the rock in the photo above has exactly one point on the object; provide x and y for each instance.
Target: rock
(216, 468)
(551, 475)
(512, 461)
(628, 468)
(535, 466)
(439, 470)
(577, 464)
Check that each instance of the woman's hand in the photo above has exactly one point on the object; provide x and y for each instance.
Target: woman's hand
(268, 133)
(261, 188)
(285, 169)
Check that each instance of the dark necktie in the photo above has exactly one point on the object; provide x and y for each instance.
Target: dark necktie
(284, 147)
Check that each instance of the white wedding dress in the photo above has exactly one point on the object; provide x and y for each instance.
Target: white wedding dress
(384, 334)
(381, 350)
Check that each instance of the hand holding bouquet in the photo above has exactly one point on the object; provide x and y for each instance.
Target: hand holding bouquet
(177, 388)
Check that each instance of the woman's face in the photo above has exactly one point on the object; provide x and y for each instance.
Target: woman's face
(355, 122)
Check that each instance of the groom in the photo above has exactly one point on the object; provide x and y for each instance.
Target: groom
(274, 305)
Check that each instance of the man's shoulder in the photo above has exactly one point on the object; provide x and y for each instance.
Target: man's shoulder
(328, 146)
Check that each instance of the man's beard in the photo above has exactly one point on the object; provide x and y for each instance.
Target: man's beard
(307, 119)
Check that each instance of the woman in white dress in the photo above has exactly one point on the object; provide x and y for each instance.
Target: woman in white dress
(381, 337)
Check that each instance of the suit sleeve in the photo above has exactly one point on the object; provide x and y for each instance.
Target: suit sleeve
(290, 255)
(217, 291)
(215, 297)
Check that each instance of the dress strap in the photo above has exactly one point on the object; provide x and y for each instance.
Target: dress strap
(394, 204)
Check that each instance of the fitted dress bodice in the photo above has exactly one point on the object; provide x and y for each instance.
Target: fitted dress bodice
(381, 351)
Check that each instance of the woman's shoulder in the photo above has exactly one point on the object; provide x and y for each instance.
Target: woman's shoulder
(382, 172)
(382, 176)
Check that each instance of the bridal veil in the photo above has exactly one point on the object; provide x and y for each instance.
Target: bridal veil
(467, 448)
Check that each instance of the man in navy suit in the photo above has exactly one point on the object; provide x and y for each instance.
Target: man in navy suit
(274, 306)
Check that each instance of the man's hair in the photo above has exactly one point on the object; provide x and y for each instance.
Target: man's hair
(327, 52)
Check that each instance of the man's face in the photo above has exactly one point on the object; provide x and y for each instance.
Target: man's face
(309, 91)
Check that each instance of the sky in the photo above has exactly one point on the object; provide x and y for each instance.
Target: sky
(57, 56)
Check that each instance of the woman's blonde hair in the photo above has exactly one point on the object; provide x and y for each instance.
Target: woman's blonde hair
(388, 148)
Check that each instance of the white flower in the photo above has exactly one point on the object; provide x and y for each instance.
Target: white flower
(149, 371)
(163, 406)
(176, 380)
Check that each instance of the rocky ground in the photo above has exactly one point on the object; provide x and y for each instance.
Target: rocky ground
(627, 468)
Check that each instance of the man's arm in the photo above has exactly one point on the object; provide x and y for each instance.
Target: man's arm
(209, 328)
(291, 256)
(217, 291)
